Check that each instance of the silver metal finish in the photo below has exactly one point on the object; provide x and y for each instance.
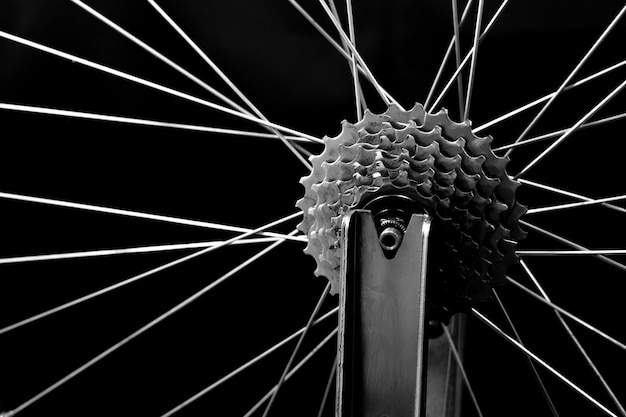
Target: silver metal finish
(381, 324)
(390, 238)
(445, 381)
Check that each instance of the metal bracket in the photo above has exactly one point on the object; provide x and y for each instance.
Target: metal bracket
(382, 343)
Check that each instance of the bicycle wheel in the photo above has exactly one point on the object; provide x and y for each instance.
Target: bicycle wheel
(297, 80)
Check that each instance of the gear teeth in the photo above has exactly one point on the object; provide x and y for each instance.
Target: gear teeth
(486, 186)
(511, 221)
(506, 190)
(441, 164)
(451, 148)
(466, 182)
(473, 165)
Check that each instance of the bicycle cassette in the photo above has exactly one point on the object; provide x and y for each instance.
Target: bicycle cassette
(442, 165)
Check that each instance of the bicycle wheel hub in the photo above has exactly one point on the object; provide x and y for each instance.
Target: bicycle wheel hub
(429, 164)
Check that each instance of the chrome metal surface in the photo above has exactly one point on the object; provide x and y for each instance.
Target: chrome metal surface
(445, 382)
(382, 325)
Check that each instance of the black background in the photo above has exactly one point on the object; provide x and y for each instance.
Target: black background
(289, 72)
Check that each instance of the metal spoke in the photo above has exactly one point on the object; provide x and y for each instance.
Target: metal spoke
(572, 244)
(572, 129)
(542, 386)
(442, 66)
(351, 60)
(331, 313)
(457, 51)
(140, 331)
(141, 122)
(146, 216)
(127, 251)
(459, 362)
(355, 72)
(356, 55)
(558, 133)
(571, 252)
(541, 362)
(568, 193)
(455, 323)
(574, 205)
(472, 75)
(281, 381)
(146, 83)
(547, 97)
(156, 53)
(293, 371)
(228, 82)
(579, 346)
(207, 60)
(126, 282)
(468, 56)
(333, 8)
(570, 76)
(334, 44)
(331, 379)
(568, 314)
(350, 51)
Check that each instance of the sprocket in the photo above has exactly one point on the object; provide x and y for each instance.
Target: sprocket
(451, 173)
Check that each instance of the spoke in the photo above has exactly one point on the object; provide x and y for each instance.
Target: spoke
(457, 327)
(127, 251)
(321, 30)
(431, 92)
(140, 122)
(468, 56)
(470, 84)
(547, 97)
(156, 53)
(352, 62)
(331, 313)
(446, 390)
(146, 83)
(571, 252)
(227, 80)
(355, 72)
(568, 193)
(571, 76)
(541, 362)
(292, 372)
(579, 346)
(568, 314)
(530, 362)
(572, 244)
(333, 8)
(572, 129)
(559, 133)
(573, 205)
(141, 215)
(142, 330)
(128, 281)
(459, 362)
(356, 55)
(331, 379)
(309, 324)
(206, 59)
(302, 150)
(334, 44)
(457, 51)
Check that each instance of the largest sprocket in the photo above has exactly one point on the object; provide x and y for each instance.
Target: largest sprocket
(452, 174)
